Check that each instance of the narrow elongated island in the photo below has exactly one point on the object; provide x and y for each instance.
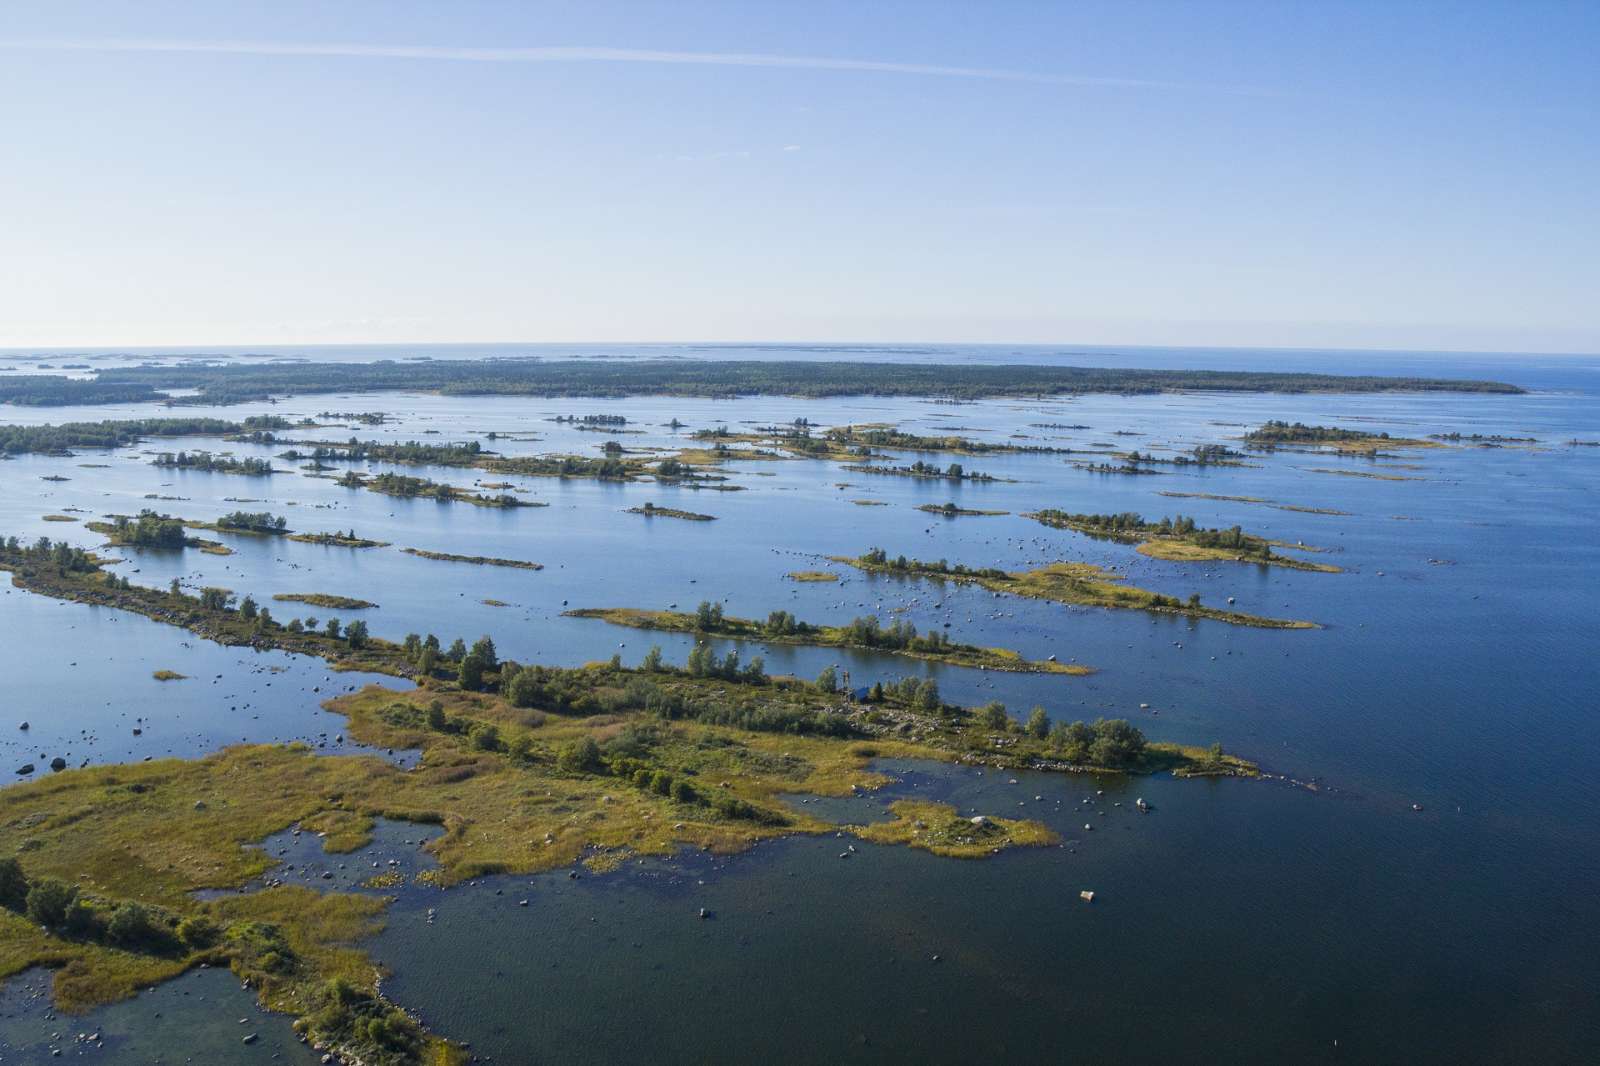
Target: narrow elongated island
(866, 634)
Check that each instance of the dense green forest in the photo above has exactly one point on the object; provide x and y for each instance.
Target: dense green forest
(220, 464)
(55, 440)
(410, 451)
(232, 384)
(1276, 432)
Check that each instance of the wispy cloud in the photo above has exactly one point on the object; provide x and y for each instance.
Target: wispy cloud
(582, 54)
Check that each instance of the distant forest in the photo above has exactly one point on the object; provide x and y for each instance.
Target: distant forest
(236, 384)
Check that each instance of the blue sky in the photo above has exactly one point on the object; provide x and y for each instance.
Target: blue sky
(1383, 175)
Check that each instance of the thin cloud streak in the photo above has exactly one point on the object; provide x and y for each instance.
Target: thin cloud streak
(582, 54)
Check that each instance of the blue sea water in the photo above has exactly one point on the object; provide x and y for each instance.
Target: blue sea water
(1456, 670)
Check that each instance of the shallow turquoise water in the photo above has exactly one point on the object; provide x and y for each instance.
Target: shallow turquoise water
(1457, 669)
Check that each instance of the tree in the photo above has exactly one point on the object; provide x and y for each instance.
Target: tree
(458, 650)
(1072, 741)
(1116, 743)
(356, 634)
(48, 901)
(992, 715)
(13, 885)
(483, 649)
(471, 673)
(652, 660)
(828, 680)
(927, 698)
(524, 688)
(1038, 723)
(332, 628)
(436, 718)
(132, 925)
(247, 608)
(521, 747)
(486, 737)
(580, 756)
(198, 932)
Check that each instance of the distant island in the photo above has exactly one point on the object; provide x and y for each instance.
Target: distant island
(242, 383)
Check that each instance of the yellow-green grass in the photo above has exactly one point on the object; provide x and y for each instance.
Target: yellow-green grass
(169, 675)
(651, 511)
(109, 531)
(1078, 584)
(936, 827)
(953, 512)
(337, 540)
(825, 637)
(812, 575)
(1157, 541)
(59, 518)
(326, 601)
(475, 560)
(1176, 550)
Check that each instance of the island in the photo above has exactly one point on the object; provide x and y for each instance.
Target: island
(475, 560)
(1178, 539)
(151, 530)
(951, 510)
(650, 510)
(719, 379)
(325, 601)
(1277, 434)
(103, 866)
(865, 634)
(1078, 584)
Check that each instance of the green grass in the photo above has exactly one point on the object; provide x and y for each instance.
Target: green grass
(325, 601)
(475, 560)
(825, 637)
(1080, 584)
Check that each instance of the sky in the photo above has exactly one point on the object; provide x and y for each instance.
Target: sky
(1388, 175)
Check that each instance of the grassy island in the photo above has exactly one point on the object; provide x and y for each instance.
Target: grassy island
(338, 540)
(1178, 539)
(812, 575)
(930, 471)
(872, 437)
(215, 464)
(475, 560)
(650, 510)
(866, 634)
(405, 486)
(61, 439)
(151, 530)
(325, 601)
(525, 768)
(1079, 584)
(1284, 434)
(950, 510)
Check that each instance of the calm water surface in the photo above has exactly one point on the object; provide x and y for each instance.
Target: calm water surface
(1457, 669)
